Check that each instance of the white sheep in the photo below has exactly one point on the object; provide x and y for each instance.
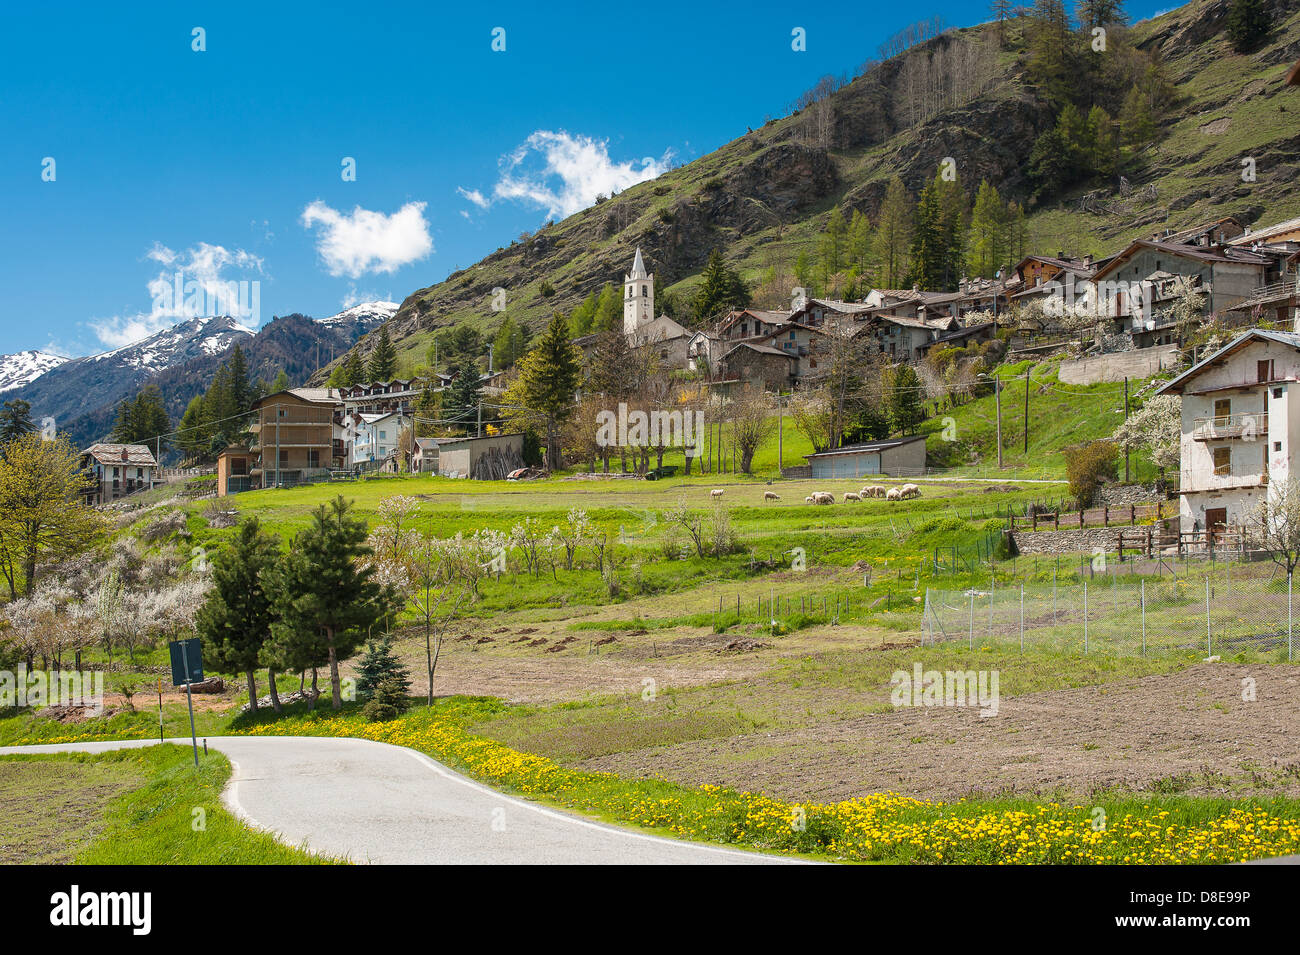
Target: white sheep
(909, 491)
(809, 500)
(823, 497)
(771, 496)
(850, 496)
(893, 494)
(716, 493)
(873, 490)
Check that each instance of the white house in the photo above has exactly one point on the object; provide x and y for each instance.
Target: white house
(376, 435)
(1240, 426)
(118, 470)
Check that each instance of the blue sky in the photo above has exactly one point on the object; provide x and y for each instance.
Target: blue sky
(226, 164)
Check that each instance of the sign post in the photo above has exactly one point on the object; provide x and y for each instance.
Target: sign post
(160, 720)
(187, 668)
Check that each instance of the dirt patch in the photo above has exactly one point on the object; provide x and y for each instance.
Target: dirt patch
(742, 645)
(1187, 732)
(1217, 128)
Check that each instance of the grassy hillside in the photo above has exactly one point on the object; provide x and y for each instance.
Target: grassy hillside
(766, 196)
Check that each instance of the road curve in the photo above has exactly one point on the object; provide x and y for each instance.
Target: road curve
(372, 802)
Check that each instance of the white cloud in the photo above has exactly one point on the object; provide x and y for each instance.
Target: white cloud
(190, 284)
(564, 173)
(367, 241)
(474, 196)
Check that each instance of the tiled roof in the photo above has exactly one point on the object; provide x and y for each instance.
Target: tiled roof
(136, 454)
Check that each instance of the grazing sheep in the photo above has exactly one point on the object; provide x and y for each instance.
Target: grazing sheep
(909, 491)
(823, 497)
(716, 493)
(809, 499)
(873, 490)
(771, 496)
(850, 496)
(893, 494)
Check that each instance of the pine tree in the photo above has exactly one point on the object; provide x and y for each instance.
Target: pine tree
(241, 392)
(352, 371)
(281, 383)
(894, 233)
(383, 360)
(929, 253)
(859, 242)
(1051, 55)
(324, 594)
(1001, 9)
(142, 420)
(428, 408)
(906, 406)
(833, 242)
(582, 318)
(195, 429)
(235, 620)
(549, 376)
(461, 399)
(1247, 25)
(15, 420)
(379, 664)
(721, 288)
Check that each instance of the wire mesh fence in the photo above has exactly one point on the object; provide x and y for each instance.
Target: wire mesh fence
(1235, 608)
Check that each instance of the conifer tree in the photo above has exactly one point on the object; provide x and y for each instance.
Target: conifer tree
(379, 664)
(461, 399)
(325, 596)
(235, 620)
(721, 289)
(894, 233)
(549, 376)
(383, 360)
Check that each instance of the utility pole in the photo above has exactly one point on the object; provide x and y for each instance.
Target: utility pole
(997, 400)
(1126, 422)
(780, 436)
(1026, 417)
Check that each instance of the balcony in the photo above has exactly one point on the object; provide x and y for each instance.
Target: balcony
(1250, 426)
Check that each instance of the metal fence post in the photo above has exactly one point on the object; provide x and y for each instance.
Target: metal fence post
(1085, 618)
(972, 620)
(1209, 640)
(1288, 615)
(1022, 618)
(1144, 617)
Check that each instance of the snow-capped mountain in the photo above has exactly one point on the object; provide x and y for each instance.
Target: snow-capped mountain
(360, 319)
(75, 388)
(178, 343)
(25, 367)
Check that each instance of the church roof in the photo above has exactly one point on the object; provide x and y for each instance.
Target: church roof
(638, 267)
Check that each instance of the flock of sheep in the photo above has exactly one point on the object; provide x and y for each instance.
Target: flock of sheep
(904, 493)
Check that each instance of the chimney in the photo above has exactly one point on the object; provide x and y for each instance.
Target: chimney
(125, 456)
(1060, 255)
(1087, 260)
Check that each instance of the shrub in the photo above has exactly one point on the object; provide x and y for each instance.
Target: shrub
(1088, 466)
(163, 526)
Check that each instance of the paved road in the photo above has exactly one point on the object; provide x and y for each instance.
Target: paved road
(378, 803)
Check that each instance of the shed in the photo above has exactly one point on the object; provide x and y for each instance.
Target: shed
(895, 457)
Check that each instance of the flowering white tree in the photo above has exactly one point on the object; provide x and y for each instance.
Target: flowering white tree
(1157, 429)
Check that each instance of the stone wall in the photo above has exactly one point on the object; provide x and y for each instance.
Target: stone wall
(1139, 363)
(1070, 542)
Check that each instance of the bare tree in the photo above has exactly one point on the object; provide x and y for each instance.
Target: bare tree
(1274, 525)
(751, 424)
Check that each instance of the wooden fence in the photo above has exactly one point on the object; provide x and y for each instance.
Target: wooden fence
(1105, 516)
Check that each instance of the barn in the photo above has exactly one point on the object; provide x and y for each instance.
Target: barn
(894, 457)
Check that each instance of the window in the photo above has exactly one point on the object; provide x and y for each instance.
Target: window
(1222, 461)
(644, 292)
(1277, 445)
(1277, 392)
(1222, 409)
(313, 458)
(1264, 370)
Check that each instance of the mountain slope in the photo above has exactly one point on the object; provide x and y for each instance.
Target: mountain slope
(766, 196)
(82, 394)
(25, 367)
